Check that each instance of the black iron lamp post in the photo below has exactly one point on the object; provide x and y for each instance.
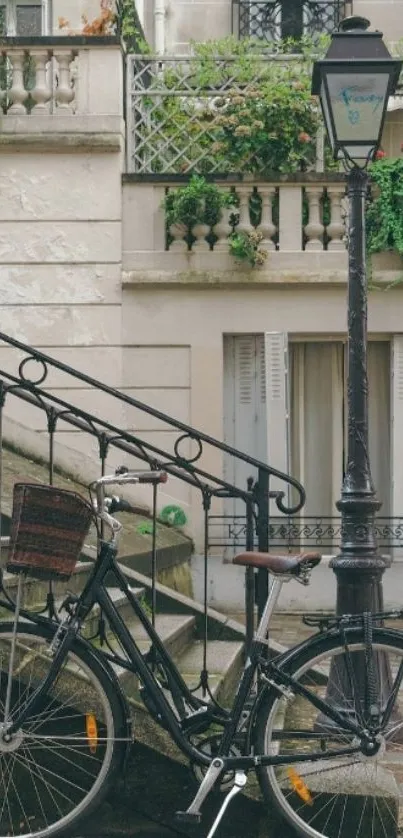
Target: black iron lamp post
(354, 82)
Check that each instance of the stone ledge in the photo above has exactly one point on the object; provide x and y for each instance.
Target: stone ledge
(52, 132)
(228, 279)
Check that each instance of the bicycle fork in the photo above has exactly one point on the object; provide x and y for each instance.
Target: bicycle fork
(193, 814)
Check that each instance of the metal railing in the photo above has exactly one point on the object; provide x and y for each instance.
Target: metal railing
(230, 532)
(29, 376)
(271, 20)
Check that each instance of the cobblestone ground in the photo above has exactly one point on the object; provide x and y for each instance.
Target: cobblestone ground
(155, 787)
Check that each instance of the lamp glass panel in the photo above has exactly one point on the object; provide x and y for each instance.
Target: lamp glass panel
(357, 104)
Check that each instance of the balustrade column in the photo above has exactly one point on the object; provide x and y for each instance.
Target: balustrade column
(244, 224)
(64, 93)
(178, 233)
(336, 229)
(17, 92)
(42, 92)
(223, 228)
(314, 229)
(200, 231)
(266, 226)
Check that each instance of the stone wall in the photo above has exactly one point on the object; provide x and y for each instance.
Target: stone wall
(60, 233)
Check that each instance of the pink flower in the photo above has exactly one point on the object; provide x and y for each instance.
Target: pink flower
(304, 137)
(379, 154)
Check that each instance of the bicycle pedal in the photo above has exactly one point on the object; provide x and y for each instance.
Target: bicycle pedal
(188, 817)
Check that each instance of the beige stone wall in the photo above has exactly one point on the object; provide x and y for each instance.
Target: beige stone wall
(73, 11)
(199, 20)
(60, 237)
(202, 20)
(386, 15)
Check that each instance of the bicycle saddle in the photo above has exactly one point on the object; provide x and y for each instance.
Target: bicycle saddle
(279, 564)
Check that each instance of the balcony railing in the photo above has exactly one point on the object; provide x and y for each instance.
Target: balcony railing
(294, 214)
(295, 533)
(270, 20)
(58, 75)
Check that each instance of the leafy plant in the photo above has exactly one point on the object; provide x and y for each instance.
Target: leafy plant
(245, 247)
(384, 216)
(199, 202)
(129, 27)
(250, 112)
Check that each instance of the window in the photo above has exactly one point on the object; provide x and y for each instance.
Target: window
(270, 20)
(24, 18)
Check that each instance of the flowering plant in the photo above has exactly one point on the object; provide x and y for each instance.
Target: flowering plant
(252, 110)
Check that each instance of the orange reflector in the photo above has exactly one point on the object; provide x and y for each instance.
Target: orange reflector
(299, 786)
(92, 731)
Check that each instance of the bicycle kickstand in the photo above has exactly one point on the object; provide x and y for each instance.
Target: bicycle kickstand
(193, 814)
(239, 784)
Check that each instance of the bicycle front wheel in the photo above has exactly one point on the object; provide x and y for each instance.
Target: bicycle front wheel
(360, 794)
(58, 766)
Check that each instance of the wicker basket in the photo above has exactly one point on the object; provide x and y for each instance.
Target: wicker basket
(48, 528)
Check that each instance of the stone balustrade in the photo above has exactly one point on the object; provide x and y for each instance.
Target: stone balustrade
(60, 76)
(291, 216)
(37, 80)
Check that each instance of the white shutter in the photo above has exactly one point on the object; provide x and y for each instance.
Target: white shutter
(397, 425)
(277, 404)
(244, 403)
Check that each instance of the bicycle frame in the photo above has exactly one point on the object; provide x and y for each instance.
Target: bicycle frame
(202, 713)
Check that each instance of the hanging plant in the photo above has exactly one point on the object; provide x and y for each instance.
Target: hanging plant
(199, 202)
(245, 248)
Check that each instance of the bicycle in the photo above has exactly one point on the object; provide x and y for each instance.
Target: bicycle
(323, 733)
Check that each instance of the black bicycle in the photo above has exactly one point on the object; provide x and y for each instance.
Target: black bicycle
(321, 724)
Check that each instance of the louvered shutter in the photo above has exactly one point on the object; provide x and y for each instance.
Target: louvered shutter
(277, 404)
(244, 402)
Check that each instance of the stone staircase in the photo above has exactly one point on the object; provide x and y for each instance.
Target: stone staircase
(179, 631)
(179, 620)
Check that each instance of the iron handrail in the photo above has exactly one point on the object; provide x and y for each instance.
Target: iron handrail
(187, 430)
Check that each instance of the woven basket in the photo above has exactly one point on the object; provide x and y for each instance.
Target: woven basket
(48, 528)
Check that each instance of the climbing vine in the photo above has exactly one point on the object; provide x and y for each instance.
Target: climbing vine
(384, 217)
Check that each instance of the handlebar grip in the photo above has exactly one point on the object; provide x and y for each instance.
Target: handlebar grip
(143, 476)
(152, 477)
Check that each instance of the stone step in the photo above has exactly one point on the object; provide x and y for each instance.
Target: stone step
(224, 666)
(35, 590)
(176, 632)
(122, 605)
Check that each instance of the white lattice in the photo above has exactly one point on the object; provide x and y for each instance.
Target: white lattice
(174, 122)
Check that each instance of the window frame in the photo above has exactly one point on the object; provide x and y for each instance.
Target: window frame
(11, 14)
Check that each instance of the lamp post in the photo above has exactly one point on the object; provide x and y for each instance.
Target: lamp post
(354, 82)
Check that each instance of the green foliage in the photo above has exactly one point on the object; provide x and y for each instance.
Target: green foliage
(199, 202)
(245, 248)
(130, 28)
(262, 119)
(384, 217)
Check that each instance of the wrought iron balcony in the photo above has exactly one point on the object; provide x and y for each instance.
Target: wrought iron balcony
(270, 20)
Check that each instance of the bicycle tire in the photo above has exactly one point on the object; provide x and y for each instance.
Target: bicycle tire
(61, 764)
(355, 795)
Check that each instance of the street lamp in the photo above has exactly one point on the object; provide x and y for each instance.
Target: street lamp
(354, 82)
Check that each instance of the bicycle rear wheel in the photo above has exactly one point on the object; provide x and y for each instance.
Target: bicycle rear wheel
(59, 765)
(341, 796)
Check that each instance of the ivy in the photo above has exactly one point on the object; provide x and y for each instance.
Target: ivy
(130, 29)
(384, 216)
